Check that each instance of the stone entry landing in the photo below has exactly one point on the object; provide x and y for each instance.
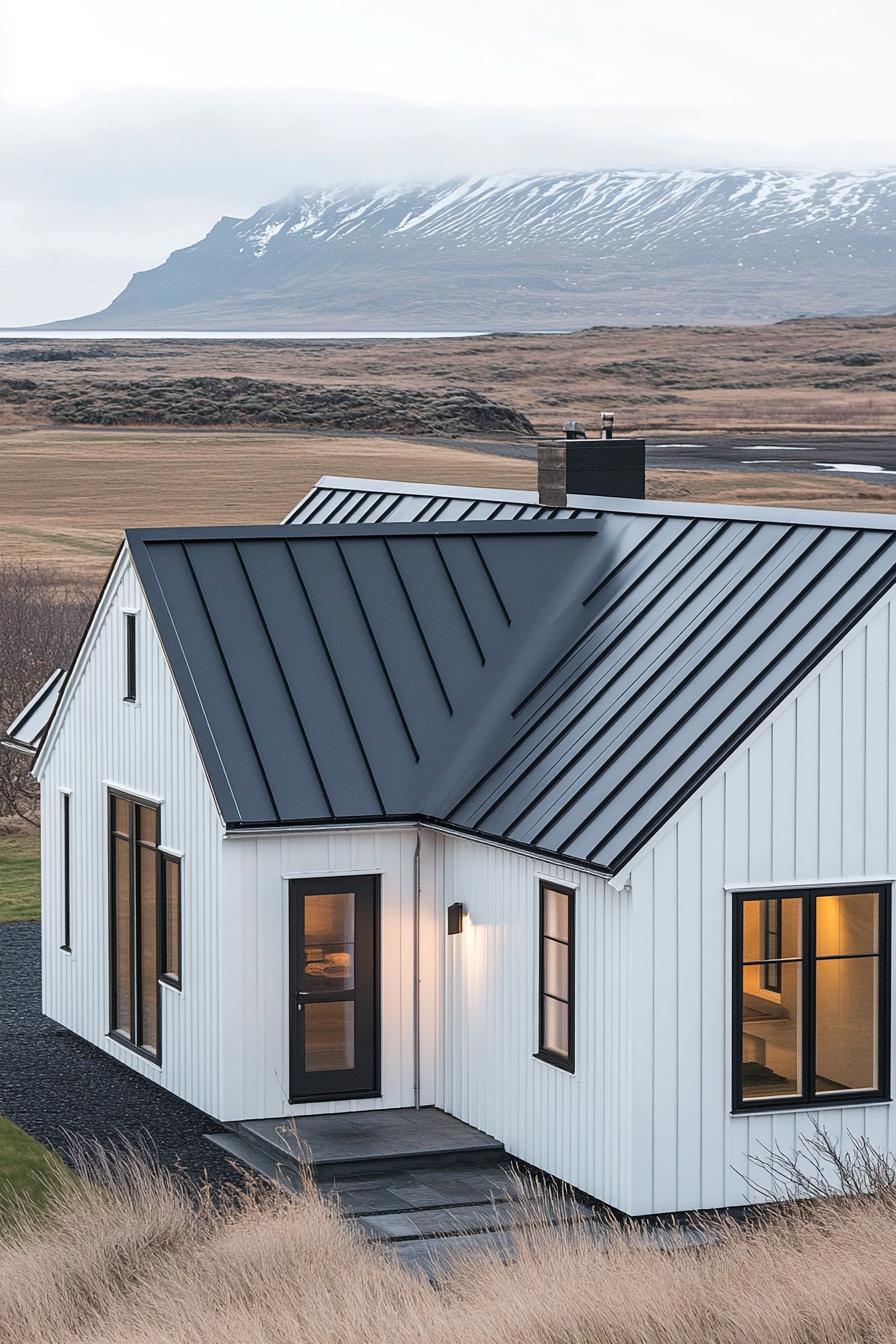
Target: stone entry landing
(361, 1142)
(422, 1181)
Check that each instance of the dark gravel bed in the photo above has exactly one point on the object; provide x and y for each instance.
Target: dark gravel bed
(60, 1089)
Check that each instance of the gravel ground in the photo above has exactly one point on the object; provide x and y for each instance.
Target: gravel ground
(60, 1089)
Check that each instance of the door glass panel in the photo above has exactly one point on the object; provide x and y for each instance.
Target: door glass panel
(121, 894)
(147, 873)
(846, 1024)
(846, 925)
(772, 928)
(772, 1032)
(556, 914)
(329, 952)
(329, 1036)
(555, 1026)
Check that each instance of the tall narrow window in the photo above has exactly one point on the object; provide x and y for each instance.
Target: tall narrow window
(811, 996)
(66, 873)
(130, 655)
(556, 976)
(171, 919)
(135, 958)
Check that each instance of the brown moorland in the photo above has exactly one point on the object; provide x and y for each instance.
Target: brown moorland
(808, 374)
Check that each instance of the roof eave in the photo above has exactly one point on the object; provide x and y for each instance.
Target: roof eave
(243, 828)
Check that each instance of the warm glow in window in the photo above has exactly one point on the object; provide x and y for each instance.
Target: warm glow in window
(809, 1008)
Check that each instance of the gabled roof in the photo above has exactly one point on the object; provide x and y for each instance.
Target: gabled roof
(26, 731)
(345, 674)
(559, 685)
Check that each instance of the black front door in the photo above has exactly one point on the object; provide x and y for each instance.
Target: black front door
(334, 1012)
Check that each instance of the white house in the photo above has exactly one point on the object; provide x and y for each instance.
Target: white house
(577, 822)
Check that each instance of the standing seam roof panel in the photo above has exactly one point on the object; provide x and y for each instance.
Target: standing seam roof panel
(638, 654)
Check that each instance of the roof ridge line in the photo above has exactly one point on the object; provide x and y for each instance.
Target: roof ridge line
(885, 522)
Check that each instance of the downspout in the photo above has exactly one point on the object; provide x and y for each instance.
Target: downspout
(417, 972)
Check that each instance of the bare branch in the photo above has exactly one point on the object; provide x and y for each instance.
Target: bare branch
(42, 617)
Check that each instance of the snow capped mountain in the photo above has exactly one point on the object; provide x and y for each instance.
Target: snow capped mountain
(537, 252)
(611, 211)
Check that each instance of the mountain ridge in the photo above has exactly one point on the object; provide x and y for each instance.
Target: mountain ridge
(534, 252)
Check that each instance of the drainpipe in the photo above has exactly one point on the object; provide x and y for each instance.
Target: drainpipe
(417, 972)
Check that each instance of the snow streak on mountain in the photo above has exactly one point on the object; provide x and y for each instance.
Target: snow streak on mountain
(536, 253)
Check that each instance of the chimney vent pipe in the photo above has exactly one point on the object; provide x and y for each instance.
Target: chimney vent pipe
(576, 465)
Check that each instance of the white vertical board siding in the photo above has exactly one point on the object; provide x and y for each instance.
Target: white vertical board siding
(574, 1126)
(255, 963)
(145, 748)
(808, 799)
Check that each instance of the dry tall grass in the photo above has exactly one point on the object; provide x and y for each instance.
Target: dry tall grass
(144, 1262)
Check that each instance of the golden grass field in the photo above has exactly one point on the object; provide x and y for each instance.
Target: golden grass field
(68, 494)
(140, 1262)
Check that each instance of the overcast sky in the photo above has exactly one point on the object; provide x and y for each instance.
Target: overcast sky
(127, 128)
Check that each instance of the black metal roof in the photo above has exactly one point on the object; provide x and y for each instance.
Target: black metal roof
(561, 686)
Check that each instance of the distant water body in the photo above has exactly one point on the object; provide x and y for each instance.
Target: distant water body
(69, 335)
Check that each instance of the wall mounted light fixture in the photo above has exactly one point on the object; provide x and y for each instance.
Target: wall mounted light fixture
(455, 918)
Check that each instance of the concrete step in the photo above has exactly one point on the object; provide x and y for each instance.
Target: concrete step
(460, 1220)
(420, 1188)
(253, 1157)
(368, 1142)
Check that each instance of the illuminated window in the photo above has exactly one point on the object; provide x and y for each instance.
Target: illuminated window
(811, 996)
(556, 976)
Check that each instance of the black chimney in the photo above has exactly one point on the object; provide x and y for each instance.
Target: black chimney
(577, 465)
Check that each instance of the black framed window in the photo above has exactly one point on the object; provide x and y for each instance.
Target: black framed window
(171, 923)
(66, 872)
(556, 975)
(811, 996)
(130, 655)
(135, 923)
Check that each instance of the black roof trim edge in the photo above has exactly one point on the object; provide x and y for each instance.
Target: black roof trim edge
(414, 819)
(206, 745)
(672, 508)
(317, 532)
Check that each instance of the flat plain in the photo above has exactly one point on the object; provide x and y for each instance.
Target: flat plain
(68, 494)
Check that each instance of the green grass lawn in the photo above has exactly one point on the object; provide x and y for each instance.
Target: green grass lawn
(19, 877)
(26, 1170)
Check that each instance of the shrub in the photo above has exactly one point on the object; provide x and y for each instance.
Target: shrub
(42, 618)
